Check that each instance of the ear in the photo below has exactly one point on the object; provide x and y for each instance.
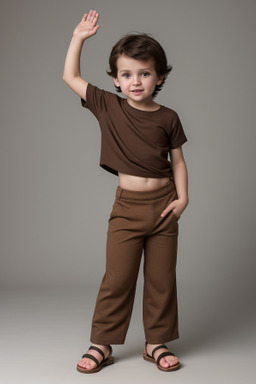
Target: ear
(116, 82)
(160, 80)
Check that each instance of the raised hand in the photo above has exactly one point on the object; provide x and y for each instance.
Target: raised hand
(88, 25)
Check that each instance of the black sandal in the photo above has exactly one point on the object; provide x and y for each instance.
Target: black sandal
(151, 359)
(106, 361)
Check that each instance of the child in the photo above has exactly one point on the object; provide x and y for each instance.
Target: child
(137, 135)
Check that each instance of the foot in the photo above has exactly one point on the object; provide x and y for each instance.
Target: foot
(87, 363)
(165, 362)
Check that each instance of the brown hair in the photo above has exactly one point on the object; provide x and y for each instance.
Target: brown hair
(142, 47)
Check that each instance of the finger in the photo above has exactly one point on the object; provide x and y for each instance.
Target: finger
(95, 29)
(89, 15)
(94, 17)
(164, 213)
(84, 17)
(167, 210)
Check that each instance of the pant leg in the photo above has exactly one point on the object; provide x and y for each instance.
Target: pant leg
(134, 222)
(116, 295)
(160, 312)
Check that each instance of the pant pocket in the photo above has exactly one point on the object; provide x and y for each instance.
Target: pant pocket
(114, 211)
(175, 216)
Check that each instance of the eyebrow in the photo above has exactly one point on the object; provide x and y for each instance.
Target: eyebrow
(143, 69)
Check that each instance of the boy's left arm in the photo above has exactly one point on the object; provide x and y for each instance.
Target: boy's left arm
(180, 176)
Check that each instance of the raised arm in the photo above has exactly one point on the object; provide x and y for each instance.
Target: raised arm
(72, 75)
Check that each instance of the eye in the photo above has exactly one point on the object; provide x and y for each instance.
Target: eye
(145, 74)
(126, 75)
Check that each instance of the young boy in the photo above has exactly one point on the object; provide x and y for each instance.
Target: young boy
(137, 135)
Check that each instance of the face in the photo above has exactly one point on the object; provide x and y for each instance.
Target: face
(137, 80)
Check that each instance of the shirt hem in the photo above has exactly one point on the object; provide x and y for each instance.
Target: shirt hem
(134, 173)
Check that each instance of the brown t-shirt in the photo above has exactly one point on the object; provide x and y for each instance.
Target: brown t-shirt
(134, 142)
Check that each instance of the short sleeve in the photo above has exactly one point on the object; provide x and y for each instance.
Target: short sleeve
(95, 100)
(177, 136)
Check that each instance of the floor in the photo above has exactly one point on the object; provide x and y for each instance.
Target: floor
(44, 332)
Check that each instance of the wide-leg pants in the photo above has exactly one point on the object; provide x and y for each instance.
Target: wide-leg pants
(135, 225)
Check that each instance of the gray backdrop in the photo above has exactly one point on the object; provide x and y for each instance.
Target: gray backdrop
(55, 199)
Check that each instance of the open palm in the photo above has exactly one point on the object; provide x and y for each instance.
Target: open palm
(88, 25)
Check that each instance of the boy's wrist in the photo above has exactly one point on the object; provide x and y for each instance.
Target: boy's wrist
(77, 38)
(184, 200)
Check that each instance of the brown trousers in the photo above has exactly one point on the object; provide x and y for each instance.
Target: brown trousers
(135, 225)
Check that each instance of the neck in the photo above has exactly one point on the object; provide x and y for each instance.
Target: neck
(144, 105)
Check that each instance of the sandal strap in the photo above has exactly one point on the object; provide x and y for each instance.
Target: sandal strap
(158, 347)
(164, 354)
(97, 350)
(92, 358)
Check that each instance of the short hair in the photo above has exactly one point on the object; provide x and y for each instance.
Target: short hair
(140, 46)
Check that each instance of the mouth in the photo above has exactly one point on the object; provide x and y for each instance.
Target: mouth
(137, 91)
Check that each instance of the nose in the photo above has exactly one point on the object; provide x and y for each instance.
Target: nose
(136, 80)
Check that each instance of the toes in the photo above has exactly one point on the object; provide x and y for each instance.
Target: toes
(164, 363)
(171, 361)
(81, 363)
(87, 364)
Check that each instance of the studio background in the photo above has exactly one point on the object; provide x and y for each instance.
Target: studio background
(56, 200)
